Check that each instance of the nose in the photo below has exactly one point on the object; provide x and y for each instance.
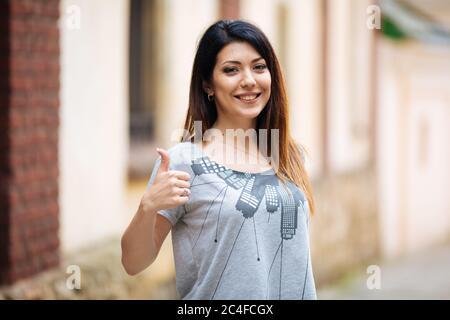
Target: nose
(248, 79)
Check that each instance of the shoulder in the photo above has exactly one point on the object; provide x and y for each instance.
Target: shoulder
(301, 150)
(180, 148)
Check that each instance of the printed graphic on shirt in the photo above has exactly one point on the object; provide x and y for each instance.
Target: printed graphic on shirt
(285, 199)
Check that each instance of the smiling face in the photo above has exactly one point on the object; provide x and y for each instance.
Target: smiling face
(241, 82)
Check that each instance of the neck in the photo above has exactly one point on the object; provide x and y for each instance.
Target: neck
(224, 124)
(234, 124)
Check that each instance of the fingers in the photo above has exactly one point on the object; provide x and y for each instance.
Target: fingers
(182, 200)
(182, 184)
(180, 175)
(183, 192)
(165, 160)
(165, 163)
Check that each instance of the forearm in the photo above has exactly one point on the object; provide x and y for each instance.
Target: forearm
(138, 245)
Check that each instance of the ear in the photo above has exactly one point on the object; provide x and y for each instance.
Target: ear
(207, 88)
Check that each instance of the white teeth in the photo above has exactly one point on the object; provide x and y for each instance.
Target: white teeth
(247, 97)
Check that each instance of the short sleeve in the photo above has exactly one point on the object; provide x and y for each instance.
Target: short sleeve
(172, 214)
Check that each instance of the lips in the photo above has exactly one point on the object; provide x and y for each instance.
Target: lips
(248, 97)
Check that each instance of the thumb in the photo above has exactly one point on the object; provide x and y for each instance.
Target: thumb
(165, 160)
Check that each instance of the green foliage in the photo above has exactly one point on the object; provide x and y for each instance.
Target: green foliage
(390, 30)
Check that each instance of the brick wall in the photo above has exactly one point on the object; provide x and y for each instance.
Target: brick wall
(29, 121)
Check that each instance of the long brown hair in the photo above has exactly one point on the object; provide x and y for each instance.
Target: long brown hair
(275, 115)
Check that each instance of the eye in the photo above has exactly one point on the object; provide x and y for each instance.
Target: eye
(260, 67)
(230, 69)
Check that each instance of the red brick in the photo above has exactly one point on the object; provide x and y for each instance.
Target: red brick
(18, 27)
(29, 86)
(21, 8)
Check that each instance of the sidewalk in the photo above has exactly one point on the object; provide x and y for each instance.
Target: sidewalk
(422, 276)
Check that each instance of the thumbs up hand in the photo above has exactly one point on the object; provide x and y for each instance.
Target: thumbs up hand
(170, 188)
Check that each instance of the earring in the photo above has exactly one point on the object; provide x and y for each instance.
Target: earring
(210, 97)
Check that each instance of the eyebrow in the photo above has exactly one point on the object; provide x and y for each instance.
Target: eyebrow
(238, 62)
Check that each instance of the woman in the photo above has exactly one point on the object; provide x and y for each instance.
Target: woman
(239, 228)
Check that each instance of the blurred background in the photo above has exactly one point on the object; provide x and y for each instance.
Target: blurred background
(89, 89)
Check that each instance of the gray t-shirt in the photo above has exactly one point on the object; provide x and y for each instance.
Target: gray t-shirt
(241, 235)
